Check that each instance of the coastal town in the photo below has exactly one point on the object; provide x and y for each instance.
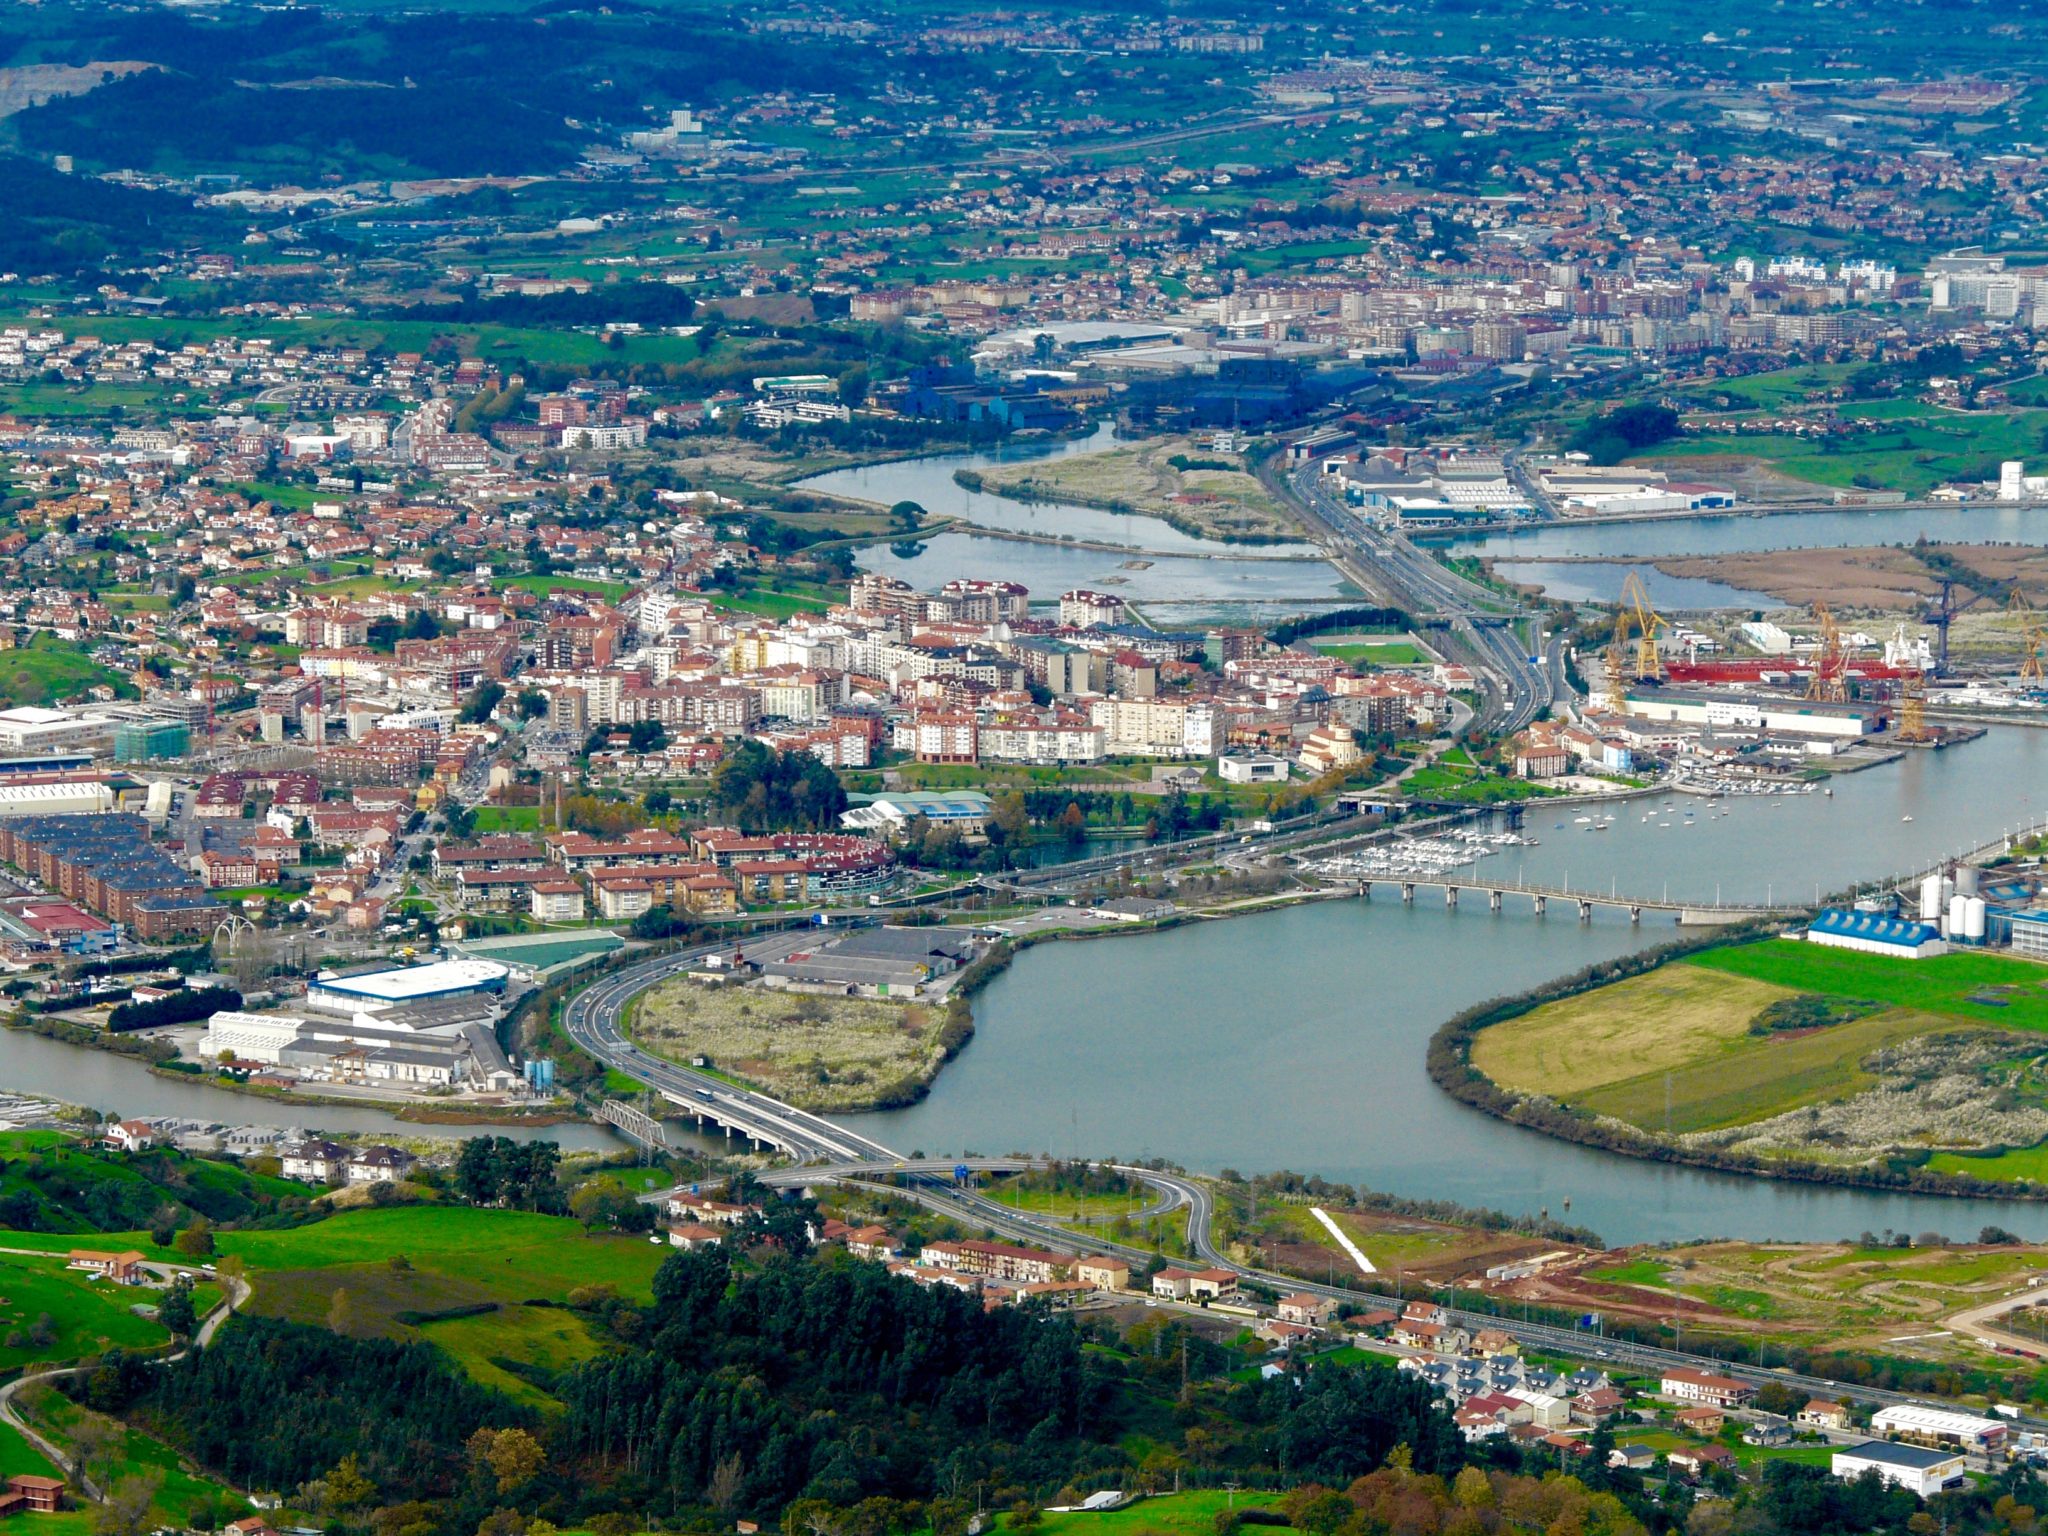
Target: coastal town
(1100, 772)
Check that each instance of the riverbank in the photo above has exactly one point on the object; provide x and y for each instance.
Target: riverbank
(1172, 479)
(159, 1059)
(1747, 1054)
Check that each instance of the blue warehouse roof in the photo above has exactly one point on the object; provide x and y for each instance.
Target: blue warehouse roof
(1873, 926)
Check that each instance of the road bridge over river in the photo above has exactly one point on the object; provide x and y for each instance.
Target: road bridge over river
(1689, 914)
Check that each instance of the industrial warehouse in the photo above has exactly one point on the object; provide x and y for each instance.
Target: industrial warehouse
(408, 1029)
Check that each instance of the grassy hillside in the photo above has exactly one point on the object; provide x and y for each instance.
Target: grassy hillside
(51, 1182)
(48, 1312)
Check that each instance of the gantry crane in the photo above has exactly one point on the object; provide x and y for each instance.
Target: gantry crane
(1830, 682)
(1641, 662)
(2033, 639)
(1913, 704)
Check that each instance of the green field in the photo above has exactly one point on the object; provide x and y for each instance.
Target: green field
(1375, 653)
(507, 818)
(183, 1491)
(543, 586)
(1956, 985)
(1180, 1514)
(82, 1189)
(1651, 1023)
(88, 1315)
(2020, 1164)
(549, 1338)
(509, 1255)
(767, 604)
(549, 952)
(17, 1455)
(1912, 453)
(1672, 1050)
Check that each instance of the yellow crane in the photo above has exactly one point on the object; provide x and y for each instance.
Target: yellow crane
(2033, 639)
(1640, 661)
(1831, 663)
(1913, 705)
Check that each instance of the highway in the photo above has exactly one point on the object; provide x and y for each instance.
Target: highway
(1518, 687)
(593, 1020)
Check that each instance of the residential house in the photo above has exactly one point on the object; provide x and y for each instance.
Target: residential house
(872, 1243)
(1819, 1413)
(1694, 1460)
(131, 1135)
(1307, 1310)
(1104, 1274)
(124, 1268)
(996, 1261)
(43, 1495)
(701, 1208)
(1596, 1404)
(1690, 1386)
(1703, 1420)
(1194, 1284)
(379, 1165)
(315, 1161)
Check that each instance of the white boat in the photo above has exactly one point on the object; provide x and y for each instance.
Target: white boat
(1905, 818)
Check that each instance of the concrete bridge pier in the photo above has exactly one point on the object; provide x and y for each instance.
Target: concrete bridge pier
(1408, 891)
(1635, 915)
(1585, 910)
(1451, 897)
(1542, 904)
(1493, 901)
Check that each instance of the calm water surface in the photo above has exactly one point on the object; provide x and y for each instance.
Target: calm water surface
(1296, 1039)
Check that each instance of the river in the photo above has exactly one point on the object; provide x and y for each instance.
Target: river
(120, 1084)
(1184, 580)
(1296, 1039)
(1541, 556)
(1178, 579)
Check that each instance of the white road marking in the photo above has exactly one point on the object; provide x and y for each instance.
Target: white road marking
(1344, 1241)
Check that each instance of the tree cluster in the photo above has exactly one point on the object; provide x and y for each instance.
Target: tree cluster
(495, 1170)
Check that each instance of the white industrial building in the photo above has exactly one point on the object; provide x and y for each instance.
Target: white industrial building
(1940, 1427)
(74, 796)
(1876, 933)
(1912, 1467)
(1737, 711)
(363, 1050)
(29, 731)
(382, 990)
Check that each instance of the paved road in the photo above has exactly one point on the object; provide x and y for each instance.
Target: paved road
(234, 1294)
(594, 1021)
(1482, 624)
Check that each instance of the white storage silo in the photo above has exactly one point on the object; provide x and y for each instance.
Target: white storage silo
(1930, 899)
(1967, 876)
(1958, 914)
(1974, 912)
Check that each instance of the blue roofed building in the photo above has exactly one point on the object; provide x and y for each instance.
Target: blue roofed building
(1875, 933)
(966, 810)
